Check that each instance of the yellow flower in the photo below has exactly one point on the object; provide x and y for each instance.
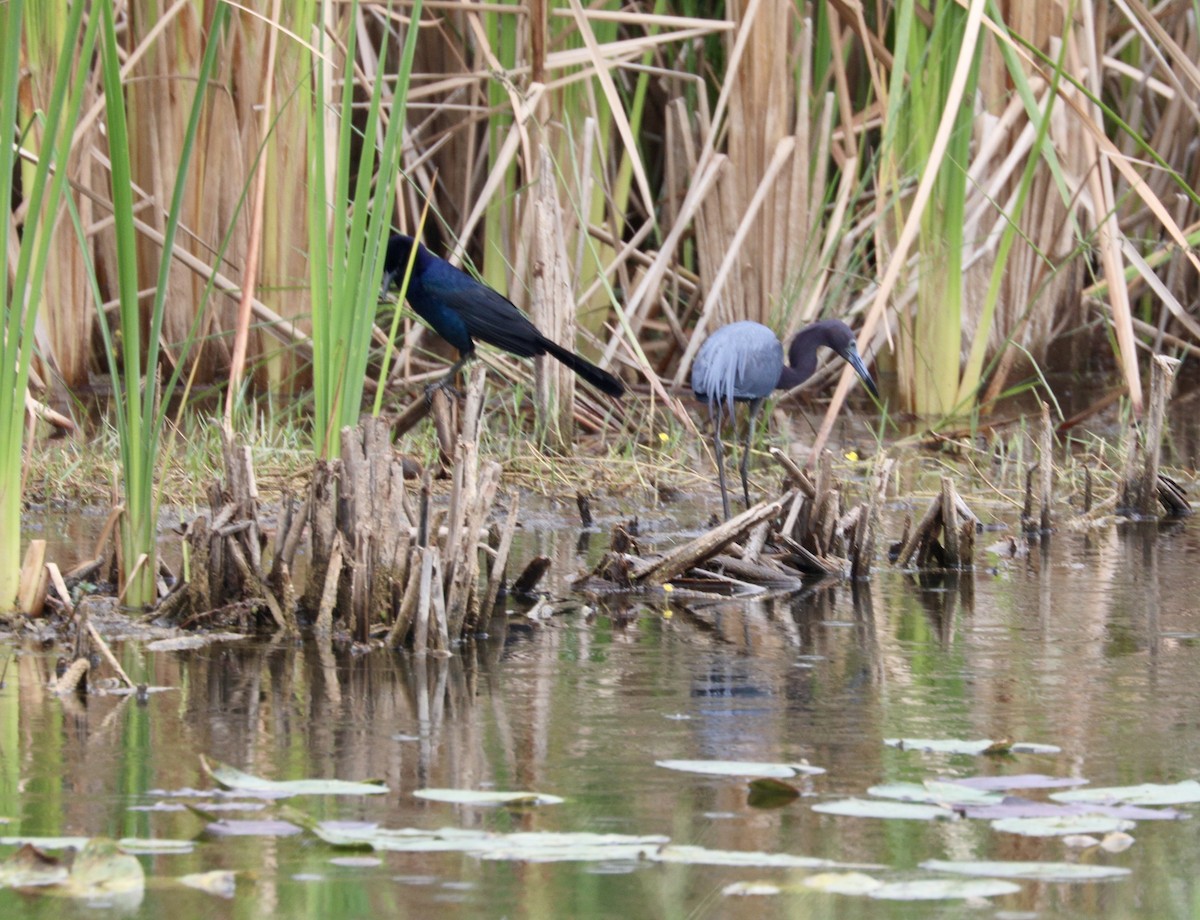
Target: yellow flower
(664, 437)
(852, 456)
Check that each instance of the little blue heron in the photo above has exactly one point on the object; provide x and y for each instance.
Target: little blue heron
(461, 309)
(744, 362)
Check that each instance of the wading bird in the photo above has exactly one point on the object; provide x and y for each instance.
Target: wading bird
(744, 362)
(461, 309)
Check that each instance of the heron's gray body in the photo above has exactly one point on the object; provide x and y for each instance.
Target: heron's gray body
(741, 361)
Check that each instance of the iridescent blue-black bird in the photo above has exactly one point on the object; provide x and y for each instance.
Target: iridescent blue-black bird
(461, 310)
(743, 362)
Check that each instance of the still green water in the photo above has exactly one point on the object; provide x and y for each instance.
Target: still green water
(1091, 644)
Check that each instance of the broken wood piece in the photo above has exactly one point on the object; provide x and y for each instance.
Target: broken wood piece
(1141, 492)
(681, 558)
(73, 679)
(499, 562)
(525, 583)
(32, 583)
(957, 531)
(1046, 467)
(759, 573)
(797, 475)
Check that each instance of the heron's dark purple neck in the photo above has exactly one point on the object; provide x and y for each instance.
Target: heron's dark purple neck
(802, 353)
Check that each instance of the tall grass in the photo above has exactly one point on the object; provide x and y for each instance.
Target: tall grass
(349, 228)
(141, 402)
(769, 169)
(31, 240)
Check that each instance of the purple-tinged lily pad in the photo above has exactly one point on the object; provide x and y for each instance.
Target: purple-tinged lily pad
(231, 828)
(1037, 871)
(869, 808)
(1061, 826)
(1184, 793)
(1014, 807)
(1021, 781)
(974, 748)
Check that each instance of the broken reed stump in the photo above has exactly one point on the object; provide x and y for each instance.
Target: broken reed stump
(226, 575)
(381, 561)
(1145, 487)
(1045, 478)
(806, 532)
(949, 518)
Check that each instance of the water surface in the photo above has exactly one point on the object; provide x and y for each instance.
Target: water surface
(1091, 643)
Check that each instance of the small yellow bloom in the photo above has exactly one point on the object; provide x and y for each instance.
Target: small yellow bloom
(667, 614)
(664, 437)
(852, 456)
(668, 587)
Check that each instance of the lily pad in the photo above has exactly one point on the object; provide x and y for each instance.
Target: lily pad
(151, 846)
(768, 792)
(741, 889)
(866, 808)
(936, 793)
(227, 827)
(937, 889)
(228, 777)
(1018, 782)
(741, 768)
(1039, 871)
(197, 640)
(851, 883)
(701, 856)
(1016, 807)
(1184, 793)
(1061, 826)
(534, 847)
(487, 797)
(220, 882)
(46, 843)
(961, 746)
(102, 870)
(29, 867)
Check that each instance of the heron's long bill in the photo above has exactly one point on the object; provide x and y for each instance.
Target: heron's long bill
(854, 359)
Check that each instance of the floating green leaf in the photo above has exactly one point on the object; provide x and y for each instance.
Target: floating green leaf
(936, 889)
(532, 847)
(769, 792)
(1184, 793)
(487, 797)
(195, 640)
(1040, 871)
(1061, 827)
(740, 768)
(102, 870)
(157, 846)
(220, 882)
(46, 843)
(974, 748)
(741, 889)
(852, 883)
(866, 808)
(228, 777)
(936, 793)
(29, 867)
(1020, 781)
(700, 856)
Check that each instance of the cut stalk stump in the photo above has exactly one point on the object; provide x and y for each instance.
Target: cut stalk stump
(805, 533)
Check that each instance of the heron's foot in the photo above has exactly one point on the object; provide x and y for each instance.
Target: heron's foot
(446, 385)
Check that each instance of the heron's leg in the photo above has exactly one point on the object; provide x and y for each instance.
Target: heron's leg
(446, 381)
(755, 405)
(714, 411)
